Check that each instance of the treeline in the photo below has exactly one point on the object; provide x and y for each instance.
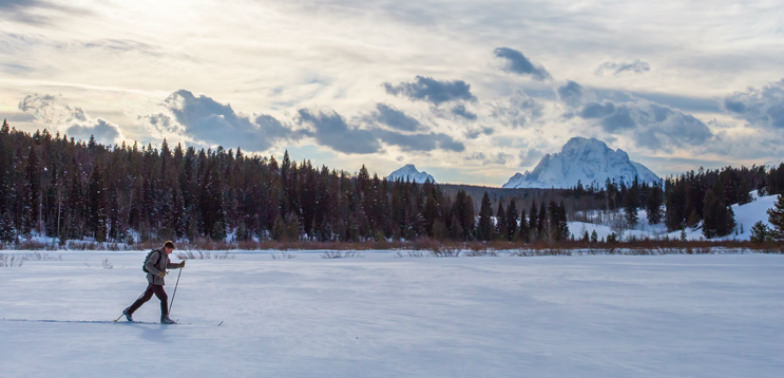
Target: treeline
(707, 195)
(58, 187)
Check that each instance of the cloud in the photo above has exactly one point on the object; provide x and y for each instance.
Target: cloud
(621, 119)
(529, 157)
(596, 110)
(102, 131)
(332, 130)
(207, 120)
(519, 110)
(394, 118)
(433, 91)
(571, 93)
(517, 63)
(53, 112)
(655, 127)
(162, 123)
(475, 133)
(500, 158)
(760, 107)
(651, 125)
(460, 111)
(617, 68)
(29, 11)
(419, 141)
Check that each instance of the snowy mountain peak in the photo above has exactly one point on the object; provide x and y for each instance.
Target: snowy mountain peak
(409, 172)
(589, 161)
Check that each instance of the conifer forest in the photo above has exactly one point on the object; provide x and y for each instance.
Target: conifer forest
(73, 190)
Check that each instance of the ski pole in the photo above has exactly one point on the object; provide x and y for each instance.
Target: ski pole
(175, 289)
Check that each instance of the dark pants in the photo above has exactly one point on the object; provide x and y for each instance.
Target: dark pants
(159, 292)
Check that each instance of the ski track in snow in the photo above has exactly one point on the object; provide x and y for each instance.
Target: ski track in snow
(379, 315)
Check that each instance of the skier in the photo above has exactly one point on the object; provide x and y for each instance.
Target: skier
(156, 264)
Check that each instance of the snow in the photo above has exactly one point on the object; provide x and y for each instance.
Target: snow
(606, 223)
(747, 215)
(588, 161)
(380, 314)
(409, 173)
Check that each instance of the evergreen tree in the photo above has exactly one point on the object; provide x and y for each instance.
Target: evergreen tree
(500, 222)
(718, 219)
(96, 205)
(653, 205)
(523, 232)
(760, 233)
(532, 222)
(511, 220)
(776, 218)
(485, 227)
(630, 204)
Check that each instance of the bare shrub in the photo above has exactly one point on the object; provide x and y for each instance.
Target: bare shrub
(340, 254)
(200, 255)
(481, 253)
(446, 252)
(11, 261)
(414, 253)
(282, 256)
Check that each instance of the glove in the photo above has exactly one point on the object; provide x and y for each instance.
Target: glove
(182, 264)
(162, 274)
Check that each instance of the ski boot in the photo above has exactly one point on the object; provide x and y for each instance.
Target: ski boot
(128, 315)
(166, 320)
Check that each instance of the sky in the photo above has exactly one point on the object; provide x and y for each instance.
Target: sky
(469, 91)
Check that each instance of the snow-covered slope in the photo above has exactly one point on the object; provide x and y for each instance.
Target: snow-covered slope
(409, 172)
(605, 223)
(588, 161)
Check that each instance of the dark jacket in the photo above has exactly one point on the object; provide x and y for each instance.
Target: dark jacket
(153, 269)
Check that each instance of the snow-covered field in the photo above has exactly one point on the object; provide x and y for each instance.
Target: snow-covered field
(386, 314)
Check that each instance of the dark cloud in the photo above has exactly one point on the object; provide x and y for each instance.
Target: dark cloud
(684, 103)
(517, 62)
(663, 128)
(571, 93)
(617, 68)
(394, 118)
(596, 110)
(28, 11)
(433, 91)
(500, 158)
(518, 110)
(460, 111)
(760, 107)
(102, 131)
(652, 125)
(621, 119)
(419, 141)
(332, 130)
(475, 133)
(209, 121)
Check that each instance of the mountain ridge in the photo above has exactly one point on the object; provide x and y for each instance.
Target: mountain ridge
(587, 161)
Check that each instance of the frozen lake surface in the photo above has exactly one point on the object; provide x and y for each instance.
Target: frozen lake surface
(386, 314)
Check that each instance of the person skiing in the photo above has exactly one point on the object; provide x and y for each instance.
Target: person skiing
(155, 265)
